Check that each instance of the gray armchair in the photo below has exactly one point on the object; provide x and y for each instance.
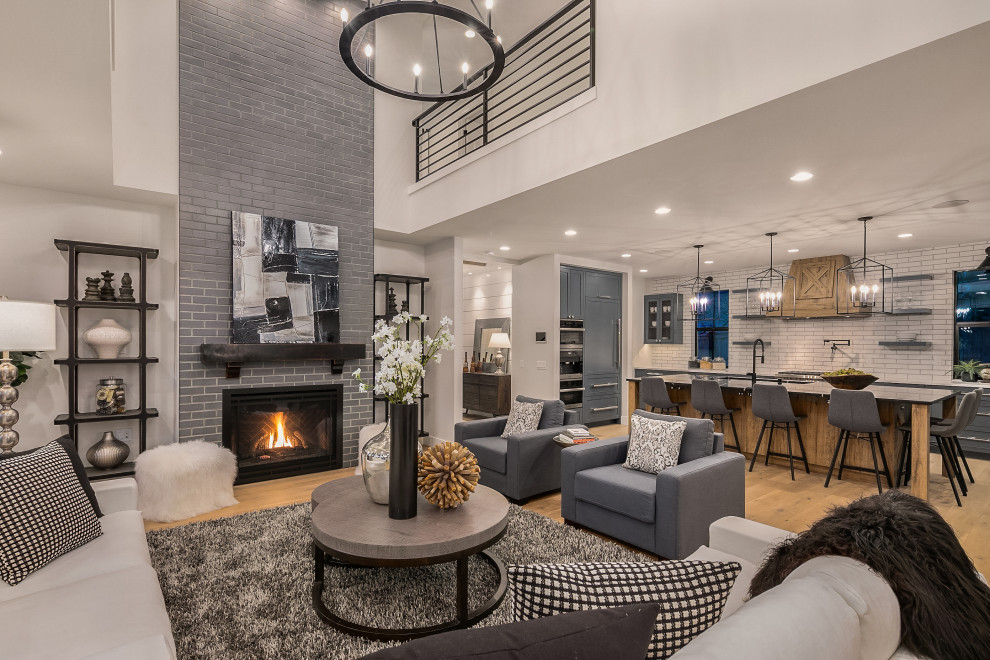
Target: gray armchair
(522, 465)
(667, 514)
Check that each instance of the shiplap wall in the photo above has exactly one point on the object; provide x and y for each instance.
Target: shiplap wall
(486, 295)
(799, 345)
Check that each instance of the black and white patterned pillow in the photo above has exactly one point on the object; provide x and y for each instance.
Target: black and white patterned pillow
(654, 444)
(691, 594)
(523, 417)
(44, 512)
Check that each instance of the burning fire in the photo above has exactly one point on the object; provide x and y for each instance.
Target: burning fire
(277, 438)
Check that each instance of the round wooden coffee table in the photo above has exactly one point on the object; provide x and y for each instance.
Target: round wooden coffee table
(354, 531)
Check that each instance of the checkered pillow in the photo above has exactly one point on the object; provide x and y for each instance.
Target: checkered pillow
(691, 594)
(44, 512)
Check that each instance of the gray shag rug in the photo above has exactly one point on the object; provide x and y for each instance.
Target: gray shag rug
(240, 587)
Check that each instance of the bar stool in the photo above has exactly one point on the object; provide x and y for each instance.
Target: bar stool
(772, 404)
(653, 392)
(856, 412)
(706, 398)
(946, 434)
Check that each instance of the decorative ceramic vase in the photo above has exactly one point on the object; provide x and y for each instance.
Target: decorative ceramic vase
(107, 338)
(404, 456)
(108, 453)
(374, 465)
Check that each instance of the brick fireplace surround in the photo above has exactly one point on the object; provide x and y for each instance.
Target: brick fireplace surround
(270, 121)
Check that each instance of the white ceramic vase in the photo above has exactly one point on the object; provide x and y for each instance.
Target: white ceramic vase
(107, 338)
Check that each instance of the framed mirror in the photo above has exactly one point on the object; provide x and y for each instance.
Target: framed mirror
(483, 331)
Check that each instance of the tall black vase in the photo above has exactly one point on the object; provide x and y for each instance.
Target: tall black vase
(404, 460)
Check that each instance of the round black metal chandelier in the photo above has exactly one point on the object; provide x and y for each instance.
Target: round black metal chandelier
(474, 27)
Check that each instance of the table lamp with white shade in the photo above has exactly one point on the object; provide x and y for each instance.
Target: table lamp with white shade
(499, 340)
(24, 326)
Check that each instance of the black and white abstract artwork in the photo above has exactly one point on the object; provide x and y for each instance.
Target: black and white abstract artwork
(286, 285)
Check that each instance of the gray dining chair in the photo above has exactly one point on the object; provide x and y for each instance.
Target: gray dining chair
(772, 404)
(947, 437)
(707, 398)
(946, 433)
(855, 412)
(653, 392)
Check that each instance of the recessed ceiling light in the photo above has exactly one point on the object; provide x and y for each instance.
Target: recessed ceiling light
(794, 250)
(469, 34)
(626, 255)
(949, 204)
(570, 232)
(505, 248)
(470, 273)
(499, 268)
(663, 210)
(488, 274)
(643, 270)
(802, 176)
(905, 235)
(709, 262)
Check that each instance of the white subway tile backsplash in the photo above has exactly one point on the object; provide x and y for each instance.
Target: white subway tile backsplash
(799, 345)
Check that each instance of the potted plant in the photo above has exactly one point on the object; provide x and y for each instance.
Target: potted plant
(967, 370)
(400, 373)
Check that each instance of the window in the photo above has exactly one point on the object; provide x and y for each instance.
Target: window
(711, 336)
(972, 316)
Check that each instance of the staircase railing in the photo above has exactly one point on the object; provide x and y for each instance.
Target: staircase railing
(548, 67)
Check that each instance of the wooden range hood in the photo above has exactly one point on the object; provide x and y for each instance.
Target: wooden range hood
(815, 282)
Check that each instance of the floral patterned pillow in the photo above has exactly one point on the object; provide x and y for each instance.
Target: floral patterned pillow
(654, 444)
(523, 417)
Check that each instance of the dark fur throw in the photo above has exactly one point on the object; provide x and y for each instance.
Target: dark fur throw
(945, 607)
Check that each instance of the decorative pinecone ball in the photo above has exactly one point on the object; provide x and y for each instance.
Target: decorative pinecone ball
(448, 474)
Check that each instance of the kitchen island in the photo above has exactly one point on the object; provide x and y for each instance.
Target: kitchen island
(811, 400)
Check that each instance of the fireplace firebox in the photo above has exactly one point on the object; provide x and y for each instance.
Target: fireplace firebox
(280, 431)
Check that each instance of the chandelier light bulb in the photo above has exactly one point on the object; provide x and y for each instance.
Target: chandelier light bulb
(489, 4)
(344, 16)
(470, 34)
(417, 69)
(368, 50)
(464, 68)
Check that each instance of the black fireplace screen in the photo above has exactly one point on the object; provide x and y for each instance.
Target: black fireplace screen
(284, 429)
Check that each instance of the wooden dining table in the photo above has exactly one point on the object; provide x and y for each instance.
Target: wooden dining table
(811, 400)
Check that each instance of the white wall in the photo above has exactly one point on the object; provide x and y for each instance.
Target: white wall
(662, 69)
(799, 345)
(536, 308)
(443, 298)
(487, 295)
(144, 89)
(33, 269)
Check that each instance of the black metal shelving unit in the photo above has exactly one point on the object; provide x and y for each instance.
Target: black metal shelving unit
(409, 281)
(73, 304)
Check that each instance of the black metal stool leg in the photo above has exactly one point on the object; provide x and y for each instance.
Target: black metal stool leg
(902, 460)
(962, 455)
(773, 425)
(948, 472)
(883, 457)
(835, 455)
(876, 468)
(950, 446)
(804, 454)
(756, 451)
(842, 461)
(790, 452)
(735, 436)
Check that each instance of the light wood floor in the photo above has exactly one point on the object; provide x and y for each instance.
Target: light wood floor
(771, 498)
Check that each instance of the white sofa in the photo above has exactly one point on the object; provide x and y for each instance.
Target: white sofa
(101, 601)
(829, 608)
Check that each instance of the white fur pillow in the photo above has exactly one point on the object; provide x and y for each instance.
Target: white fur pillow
(184, 479)
(654, 444)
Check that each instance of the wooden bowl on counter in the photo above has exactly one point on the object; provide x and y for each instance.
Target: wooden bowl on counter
(850, 381)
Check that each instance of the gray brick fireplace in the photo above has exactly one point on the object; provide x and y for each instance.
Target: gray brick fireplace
(270, 121)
